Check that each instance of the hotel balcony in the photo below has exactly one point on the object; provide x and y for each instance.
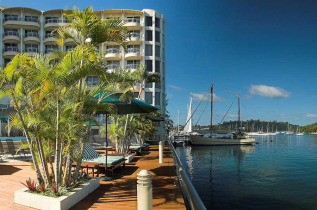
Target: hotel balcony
(113, 54)
(55, 23)
(10, 51)
(31, 37)
(134, 38)
(10, 36)
(133, 67)
(112, 67)
(132, 23)
(50, 37)
(49, 50)
(133, 54)
(31, 50)
(18, 21)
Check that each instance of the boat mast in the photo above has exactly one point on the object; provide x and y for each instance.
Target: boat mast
(211, 106)
(239, 110)
(177, 121)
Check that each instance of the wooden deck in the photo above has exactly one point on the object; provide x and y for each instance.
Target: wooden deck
(120, 193)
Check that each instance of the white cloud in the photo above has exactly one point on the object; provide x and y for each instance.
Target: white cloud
(283, 116)
(268, 91)
(311, 115)
(175, 87)
(205, 97)
(169, 96)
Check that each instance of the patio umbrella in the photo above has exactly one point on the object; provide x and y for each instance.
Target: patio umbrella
(123, 107)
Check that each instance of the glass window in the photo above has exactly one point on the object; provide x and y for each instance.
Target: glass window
(136, 94)
(31, 33)
(133, 64)
(148, 65)
(148, 50)
(11, 32)
(133, 48)
(113, 64)
(157, 98)
(31, 18)
(11, 17)
(157, 51)
(157, 85)
(92, 81)
(6, 61)
(50, 48)
(148, 85)
(148, 35)
(70, 47)
(113, 49)
(157, 36)
(148, 97)
(31, 48)
(157, 66)
(148, 21)
(157, 22)
(133, 19)
(51, 20)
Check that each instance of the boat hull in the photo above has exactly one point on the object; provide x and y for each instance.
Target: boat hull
(207, 141)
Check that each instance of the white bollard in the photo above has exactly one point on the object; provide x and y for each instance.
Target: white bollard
(161, 148)
(144, 190)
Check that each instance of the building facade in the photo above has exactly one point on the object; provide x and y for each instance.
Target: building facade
(29, 30)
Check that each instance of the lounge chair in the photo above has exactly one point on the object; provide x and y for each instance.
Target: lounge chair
(11, 148)
(1, 150)
(25, 150)
(113, 162)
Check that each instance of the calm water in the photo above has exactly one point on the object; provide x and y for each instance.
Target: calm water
(281, 174)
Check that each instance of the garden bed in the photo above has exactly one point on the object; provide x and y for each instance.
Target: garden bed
(63, 202)
(129, 157)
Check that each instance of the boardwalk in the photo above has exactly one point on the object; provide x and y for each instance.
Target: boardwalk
(117, 194)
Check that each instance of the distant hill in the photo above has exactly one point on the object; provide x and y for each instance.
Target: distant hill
(309, 128)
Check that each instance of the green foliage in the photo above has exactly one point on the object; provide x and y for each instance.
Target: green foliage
(309, 128)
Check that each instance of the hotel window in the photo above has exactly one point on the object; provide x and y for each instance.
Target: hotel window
(11, 32)
(148, 97)
(31, 48)
(157, 22)
(11, 47)
(92, 81)
(136, 94)
(6, 61)
(157, 85)
(148, 35)
(133, 49)
(157, 98)
(157, 51)
(134, 34)
(50, 48)
(157, 66)
(11, 17)
(148, 85)
(148, 65)
(51, 20)
(113, 64)
(133, 19)
(31, 33)
(157, 36)
(70, 47)
(134, 64)
(148, 50)
(148, 21)
(31, 19)
(113, 49)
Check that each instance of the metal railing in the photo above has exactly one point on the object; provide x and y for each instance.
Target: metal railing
(191, 197)
(113, 50)
(11, 33)
(133, 66)
(31, 34)
(27, 19)
(48, 50)
(31, 50)
(132, 19)
(133, 50)
(137, 35)
(11, 49)
(112, 66)
(49, 35)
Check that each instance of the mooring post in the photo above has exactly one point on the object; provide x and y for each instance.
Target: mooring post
(161, 148)
(144, 190)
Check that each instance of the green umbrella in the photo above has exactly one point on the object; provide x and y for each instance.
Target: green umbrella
(126, 106)
(123, 107)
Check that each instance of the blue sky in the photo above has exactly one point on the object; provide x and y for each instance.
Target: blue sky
(267, 50)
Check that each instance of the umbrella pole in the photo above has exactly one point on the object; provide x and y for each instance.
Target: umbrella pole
(106, 145)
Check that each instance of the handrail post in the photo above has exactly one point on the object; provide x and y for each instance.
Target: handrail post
(144, 190)
(161, 148)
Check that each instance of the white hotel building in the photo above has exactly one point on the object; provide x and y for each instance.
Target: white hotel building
(29, 30)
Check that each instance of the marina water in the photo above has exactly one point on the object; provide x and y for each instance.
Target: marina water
(279, 172)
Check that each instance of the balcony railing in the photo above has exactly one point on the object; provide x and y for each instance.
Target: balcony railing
(137, 35)
(57, 21)
(132, 19)
(11, 33)
(27, 19)
(32, 34)
(113, 50)
(50, 50)
(113, 66)
(11, 49)
(31, 50)
(133, 50)
(133, 66)
(48, 35)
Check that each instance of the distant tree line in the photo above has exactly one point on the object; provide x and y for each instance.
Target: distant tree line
(309, 128)
(253, 126)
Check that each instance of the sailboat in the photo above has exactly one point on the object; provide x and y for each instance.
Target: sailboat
(298, 133)
(238, 138)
